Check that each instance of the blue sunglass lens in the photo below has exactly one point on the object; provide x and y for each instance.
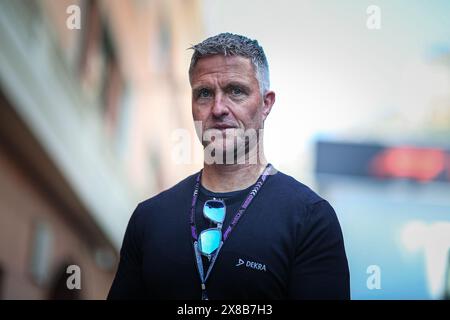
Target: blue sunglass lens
(214, 210)
(209, 240)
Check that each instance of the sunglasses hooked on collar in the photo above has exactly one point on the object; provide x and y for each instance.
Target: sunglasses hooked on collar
(210, 239)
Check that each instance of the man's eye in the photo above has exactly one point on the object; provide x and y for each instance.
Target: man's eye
(204, 93)
(236, 91)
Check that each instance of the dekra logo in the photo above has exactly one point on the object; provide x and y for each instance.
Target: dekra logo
(251, 265)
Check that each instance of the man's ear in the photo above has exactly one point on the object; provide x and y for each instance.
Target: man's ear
(269, 100)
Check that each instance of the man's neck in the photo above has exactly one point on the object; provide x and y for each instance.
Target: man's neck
(231, 177)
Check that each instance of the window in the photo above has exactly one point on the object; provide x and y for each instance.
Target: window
(101, 74)
(124, 123)
(112, 91)
(91, 62)
(41, 253)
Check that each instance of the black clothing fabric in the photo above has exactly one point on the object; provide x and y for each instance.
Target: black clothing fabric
(287, 245)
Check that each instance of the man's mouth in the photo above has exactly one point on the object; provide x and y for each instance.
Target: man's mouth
(222, 127)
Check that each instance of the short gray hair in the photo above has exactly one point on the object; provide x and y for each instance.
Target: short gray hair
(234, 44)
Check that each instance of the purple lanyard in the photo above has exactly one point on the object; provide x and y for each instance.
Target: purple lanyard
(233, 223)
(262, 178)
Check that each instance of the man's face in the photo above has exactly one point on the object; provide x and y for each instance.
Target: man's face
(226, 96)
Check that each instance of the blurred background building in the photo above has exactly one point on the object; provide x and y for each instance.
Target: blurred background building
(88, 116)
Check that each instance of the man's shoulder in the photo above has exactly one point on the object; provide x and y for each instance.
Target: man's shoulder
(307, 202)
(178, 193)
(289, 187)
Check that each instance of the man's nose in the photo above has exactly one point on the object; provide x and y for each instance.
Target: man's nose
(219, 108)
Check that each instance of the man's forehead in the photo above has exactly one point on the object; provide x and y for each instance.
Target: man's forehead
(219, 62)
(234, 66)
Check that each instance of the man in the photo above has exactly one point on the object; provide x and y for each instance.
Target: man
(238, 229)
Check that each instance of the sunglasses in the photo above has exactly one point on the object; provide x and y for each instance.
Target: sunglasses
(210, 239)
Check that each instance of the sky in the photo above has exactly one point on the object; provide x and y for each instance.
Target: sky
(336, 78)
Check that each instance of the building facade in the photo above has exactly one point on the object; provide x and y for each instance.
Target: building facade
(90, 94)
